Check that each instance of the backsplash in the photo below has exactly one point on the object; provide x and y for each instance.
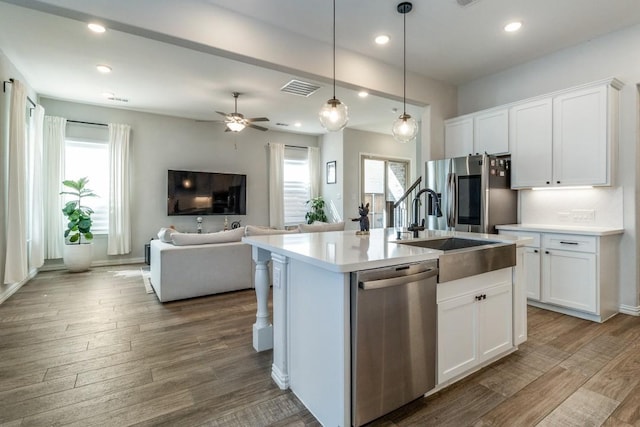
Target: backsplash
(598, 207)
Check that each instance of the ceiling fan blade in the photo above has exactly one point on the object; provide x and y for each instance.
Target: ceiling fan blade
(258, 119)
(210, 121)
(257, 127)
(222, 114)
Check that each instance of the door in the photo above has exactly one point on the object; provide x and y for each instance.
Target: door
(437, 173)
(532, 273)
(457, 336)
(384, 180)
(470, 180)
(495, 321)
(569, 279)
(530, 136)
(491, 132)
(458, 137)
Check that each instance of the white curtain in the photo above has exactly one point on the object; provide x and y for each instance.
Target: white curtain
(313, 159)
(36, 202)
(119, 210)
(54, 136)
(276, 184)
(16, 268)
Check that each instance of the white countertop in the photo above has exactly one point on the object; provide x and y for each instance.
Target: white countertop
(344, 251)
(569, 229)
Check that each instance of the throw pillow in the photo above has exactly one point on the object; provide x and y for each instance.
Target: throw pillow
(165, 234)
(315, 228)
(183, 239)
(258, 230)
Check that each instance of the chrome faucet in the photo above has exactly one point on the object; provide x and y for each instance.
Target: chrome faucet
(415, 225)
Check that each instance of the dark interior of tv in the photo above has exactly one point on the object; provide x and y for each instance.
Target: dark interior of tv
(206, 193)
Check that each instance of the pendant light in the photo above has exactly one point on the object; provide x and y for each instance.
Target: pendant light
(405, 128)
(334, 115)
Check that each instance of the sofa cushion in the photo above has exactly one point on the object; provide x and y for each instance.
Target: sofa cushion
(165, 234)
(183, 239)
(258, 230)
(315, 228)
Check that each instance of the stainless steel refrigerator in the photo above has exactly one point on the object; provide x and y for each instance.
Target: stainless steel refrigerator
(474, 193)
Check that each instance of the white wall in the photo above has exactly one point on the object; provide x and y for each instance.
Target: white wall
(613, 55)
(159, 143)
(332, 148)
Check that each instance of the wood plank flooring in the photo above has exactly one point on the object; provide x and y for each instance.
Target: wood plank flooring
(90, 349)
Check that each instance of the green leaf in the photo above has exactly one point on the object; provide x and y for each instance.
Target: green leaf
(74, 238)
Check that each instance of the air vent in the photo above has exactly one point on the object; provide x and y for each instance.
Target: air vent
(300, 88)
(466, 2)
(117, 99)
(282, 124)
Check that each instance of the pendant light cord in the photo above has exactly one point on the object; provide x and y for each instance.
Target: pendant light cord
(334, 49)
(404, 61)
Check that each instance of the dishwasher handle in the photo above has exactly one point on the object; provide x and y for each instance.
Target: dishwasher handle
(396, 281)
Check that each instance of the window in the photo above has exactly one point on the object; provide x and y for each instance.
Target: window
(296, 185)
(384, 181)
(90, 159)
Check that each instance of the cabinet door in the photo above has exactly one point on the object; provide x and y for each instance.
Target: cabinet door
(581, 154)
(530, 135)
(458, 137)
(519, 299)
(532, 273)
(491, 132)
(570, 279)
(495, 334)
(457, 336)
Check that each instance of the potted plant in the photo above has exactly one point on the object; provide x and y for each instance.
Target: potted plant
(78, 249)
(317, 210)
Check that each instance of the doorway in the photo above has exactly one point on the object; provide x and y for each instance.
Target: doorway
(383, 181)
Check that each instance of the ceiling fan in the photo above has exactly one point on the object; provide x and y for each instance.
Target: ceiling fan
(236, 122)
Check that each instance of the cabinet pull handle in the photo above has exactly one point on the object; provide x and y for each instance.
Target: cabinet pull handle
(546, 252)
(484, 296)
(568, 243)
(557, 182)
(548, 182)
(535, 251)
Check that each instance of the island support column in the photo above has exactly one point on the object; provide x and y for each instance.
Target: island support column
(280, 367)
(262, 329)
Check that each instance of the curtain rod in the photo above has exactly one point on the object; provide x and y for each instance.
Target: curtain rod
(10, 81)
(292, 146)
(87, 123)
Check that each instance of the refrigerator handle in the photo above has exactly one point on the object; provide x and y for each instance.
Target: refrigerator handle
(451, 200)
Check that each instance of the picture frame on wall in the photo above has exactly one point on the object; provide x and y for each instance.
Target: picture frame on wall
(331, 172)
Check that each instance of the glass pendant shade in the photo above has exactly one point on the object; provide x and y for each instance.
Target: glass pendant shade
(334, 115)
(405, 128)
(235, 126)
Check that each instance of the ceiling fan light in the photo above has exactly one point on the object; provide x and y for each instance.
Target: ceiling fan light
(235, 126)
(334, 115)
(405, 128)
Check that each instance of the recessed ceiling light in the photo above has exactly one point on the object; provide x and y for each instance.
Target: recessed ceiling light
(103, 68)
(108, 95)
(363, 94)
(513, 26)
(96, 28)
(297, 124)
(382, 39)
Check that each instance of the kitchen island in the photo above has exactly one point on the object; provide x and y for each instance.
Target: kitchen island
(311, 331)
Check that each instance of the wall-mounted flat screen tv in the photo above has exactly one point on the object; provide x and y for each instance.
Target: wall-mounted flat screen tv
(206, 193)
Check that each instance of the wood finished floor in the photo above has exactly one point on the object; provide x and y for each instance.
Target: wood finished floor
(93, 348)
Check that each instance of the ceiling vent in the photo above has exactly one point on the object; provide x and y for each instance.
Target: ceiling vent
(300, 88)
(466, 2)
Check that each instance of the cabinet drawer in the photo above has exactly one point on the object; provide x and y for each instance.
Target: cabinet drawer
(570, 242)
(535, 236)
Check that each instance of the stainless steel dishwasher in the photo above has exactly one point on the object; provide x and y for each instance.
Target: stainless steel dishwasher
(393, 333)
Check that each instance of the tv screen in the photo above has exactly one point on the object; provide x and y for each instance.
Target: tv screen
(206, 193)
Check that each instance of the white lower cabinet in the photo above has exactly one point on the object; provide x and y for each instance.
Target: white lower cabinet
(474, 321)
(575, 274)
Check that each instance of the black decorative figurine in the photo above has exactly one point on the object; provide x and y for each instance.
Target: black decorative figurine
(363, 210)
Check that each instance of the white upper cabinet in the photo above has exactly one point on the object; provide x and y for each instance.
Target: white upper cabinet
(491, 131)
(530, 133)
(485, 131)
(565, 139)
(458, 136)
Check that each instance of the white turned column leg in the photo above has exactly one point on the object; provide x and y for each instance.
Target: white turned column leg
(262, 329)
(280, 367)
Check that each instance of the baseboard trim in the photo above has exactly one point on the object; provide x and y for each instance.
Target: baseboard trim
(11, 289)
(629, 309)
(100, 263)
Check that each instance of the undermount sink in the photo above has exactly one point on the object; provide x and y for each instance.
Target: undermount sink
(448, 244)
(456, 263)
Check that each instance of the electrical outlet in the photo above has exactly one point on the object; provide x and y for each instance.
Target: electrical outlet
(583, 215)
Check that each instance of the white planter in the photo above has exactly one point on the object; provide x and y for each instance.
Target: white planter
(78, 257)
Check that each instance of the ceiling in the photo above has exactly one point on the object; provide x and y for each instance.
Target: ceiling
(185, 58)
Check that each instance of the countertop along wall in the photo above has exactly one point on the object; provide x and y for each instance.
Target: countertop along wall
(612, 55)
(159, 143)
